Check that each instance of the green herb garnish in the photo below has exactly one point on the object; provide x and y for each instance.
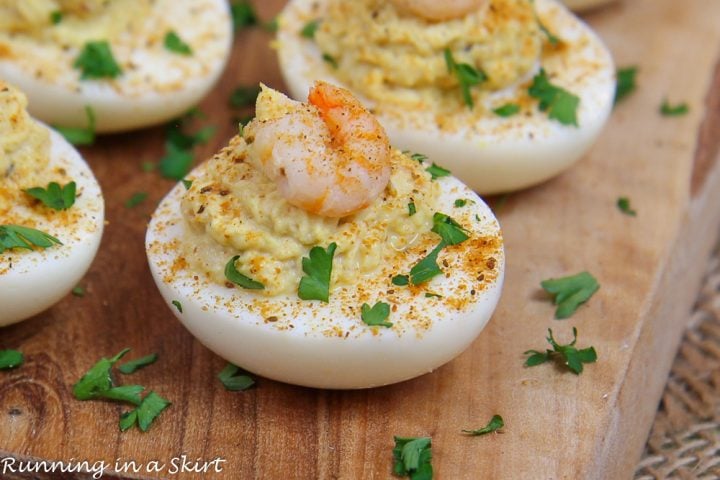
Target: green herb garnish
(412, 458)
(96, 61)
(623, 204)
(243, 15)
(133, 365)
(418, 157)
(315, 284)
(56, 17)
(10, 359)
(400, 280)
(79, 135)
(15, 236)
(570, 292)
(176, 45)
(412, 210)
(668, 110)
(625, 82)
(78, 291)
(449, 230)
(376, 315)
(308, 31)
(426, 268)
(330, 60)
(495, 424)
(467, 76)
(55, 196)
(238, 278)
(560, 104)
(97, 380)
(271, 25)
(186, 183)
(233, 380)
(567, 355)
(436, 171)
(178, 305)
(145, 413)
(460, 202)
(244, 96)
(554, 41)
(176, 163)
(136, 199)
(507, 110)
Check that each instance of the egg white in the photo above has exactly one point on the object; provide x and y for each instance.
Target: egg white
(315, 344)
(495, 154)
(158, 86)
(33, 280)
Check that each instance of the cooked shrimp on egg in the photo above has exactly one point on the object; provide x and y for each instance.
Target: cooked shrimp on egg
(372, 271)
(134, 63)
(48, 234)
(504, 93)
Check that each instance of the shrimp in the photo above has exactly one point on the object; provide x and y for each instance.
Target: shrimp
(329, 157)
(437, 11)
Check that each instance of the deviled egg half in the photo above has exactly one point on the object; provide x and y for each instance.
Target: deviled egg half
(504, 93)
(48, 234)
(312, 252)
(131, 63)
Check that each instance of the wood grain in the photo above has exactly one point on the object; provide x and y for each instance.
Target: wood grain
(559, 426)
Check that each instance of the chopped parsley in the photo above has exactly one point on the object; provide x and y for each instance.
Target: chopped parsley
(243, 15)
(560, 104)
(467, 76)
(238, 278)
(412, 210)
(449, 230)
(507, 110)
(55, 196)
(79, 135)
(56, 17)
(668, 110)
(176, 45)
(315, 284)
(176, 162)
(178, 305)
(97, 381)
(145, 413)
(623, 204)
(554, 40)
(436, 171)
(400, 280)
(330, 60)
(234, 379)
(308, 31)
(10, 359)
(148, 166)
(186, 183)
(432, 295)
(271, 25)
(78, 291)
(133, 365)
(244, 96)
(418, 157)
(625, 82)
(96, 61)
(376, 315)
(495, 424)
(567, 355)
(426, 268)
(178, 148)
(136, 199)
(570, 292)
(412, 457)
(460, 202)
(15, 236)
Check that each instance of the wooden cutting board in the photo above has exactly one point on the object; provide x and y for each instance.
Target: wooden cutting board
(558, 425)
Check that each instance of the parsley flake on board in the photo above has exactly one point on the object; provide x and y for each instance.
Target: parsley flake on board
(507, 110)
(449, 230)
(133, 365)
(10, 359)
(145, 413)
(570, 292)
(567, 355)
(412, 457)
(233, 380)
(376, 315)
(436, 171)
(175, 44)
(178, 146)
(79, 135)
(495, 424)
(308, 31)
(238, 278)
(176, 163)
(315, 284)
(178, 305)
(244, 96)
(15, 236)
(97, 380)
(243, 15)
(560, 104)
(78, 291)
(467, 76)
(55, 196)
(136, 199)
(96, 61)
(625, 82)
(668, 110)
(623, 204)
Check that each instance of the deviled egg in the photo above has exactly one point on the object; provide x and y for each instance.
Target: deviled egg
(48, 234)
(504, 93)
(133, 62)
(312, 252)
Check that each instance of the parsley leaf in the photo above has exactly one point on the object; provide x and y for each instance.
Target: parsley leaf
(560, 104)
(176, 162)
(568, 355)
(308, 31)
(243, 15)
(507, 110)
(136, 199)
(554, 40)
(233, 381)
(186, 183)
(145, 413)
(177, 305)
(56, 17)
(376, 315)
(15, 236)
(10, 359)
(460, 202)
(133, 365)
(449, 230)
(467, 76)
(176, 45)
(426, 268)
(436, 171)
(412, 458)
(96, 61)
(623, 204)
(400, 280)
(271, 25)
(625, 82)
(668, 110)
(78, 291)
(315, 284)
(418, 157)
(55, 196)
(244, 96)
(412, 210)
(495, 424)
(330, 60)
(79, 135)
(124, 393)
(97, 380)
(570, 292)
(238, 278)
